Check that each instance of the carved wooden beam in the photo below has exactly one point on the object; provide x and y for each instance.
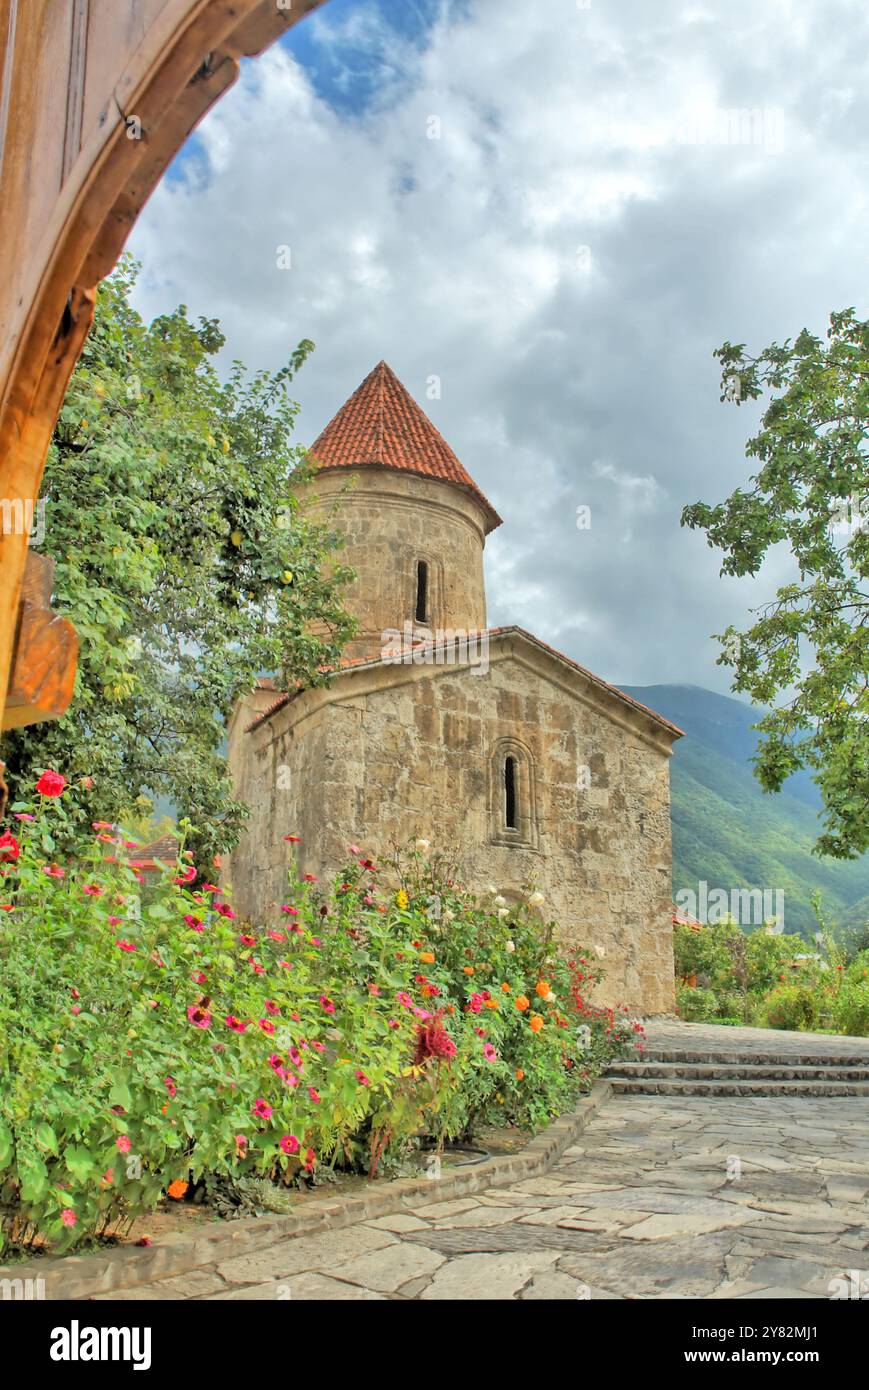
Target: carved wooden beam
(44, 654)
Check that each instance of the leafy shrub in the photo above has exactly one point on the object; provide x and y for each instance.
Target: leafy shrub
(791, 1006)
(696, 1005)
(146, 1046)
(850, 1007)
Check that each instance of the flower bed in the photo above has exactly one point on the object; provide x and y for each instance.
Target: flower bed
(151, 1045)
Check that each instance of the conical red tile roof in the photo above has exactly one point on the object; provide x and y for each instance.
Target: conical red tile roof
(382, 424)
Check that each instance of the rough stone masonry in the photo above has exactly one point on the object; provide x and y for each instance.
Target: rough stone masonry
(486, 741)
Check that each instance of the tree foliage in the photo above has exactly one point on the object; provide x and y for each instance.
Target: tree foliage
(183, 558)
(807, 651)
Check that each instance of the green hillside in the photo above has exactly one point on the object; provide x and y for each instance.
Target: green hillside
(730, 833)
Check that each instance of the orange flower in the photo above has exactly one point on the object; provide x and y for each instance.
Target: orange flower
(451, 1008)
(542, 988)
(536, 1023)
(492, 1004)
(427, 957)
(520, 1075)
(468, 969)
(505, 987)
(522, 1002)
(177, 1189)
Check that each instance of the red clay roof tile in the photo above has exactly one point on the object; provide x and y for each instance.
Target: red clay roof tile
(382, 424)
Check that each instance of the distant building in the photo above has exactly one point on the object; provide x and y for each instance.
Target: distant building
(489, 741)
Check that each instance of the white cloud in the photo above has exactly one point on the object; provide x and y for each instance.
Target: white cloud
(569, 375)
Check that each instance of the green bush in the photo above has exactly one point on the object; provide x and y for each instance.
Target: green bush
(696, 1005)
(144, 1047)
(850, 1008)
(791, 1006)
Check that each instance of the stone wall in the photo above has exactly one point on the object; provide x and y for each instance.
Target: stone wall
(391, 520)
(391, 752)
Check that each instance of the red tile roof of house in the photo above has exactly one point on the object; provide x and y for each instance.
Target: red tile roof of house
(381, 424)
(493, 633)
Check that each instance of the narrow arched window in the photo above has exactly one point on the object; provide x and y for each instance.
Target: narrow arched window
(510, 790)
(512, 795)
(421, 591)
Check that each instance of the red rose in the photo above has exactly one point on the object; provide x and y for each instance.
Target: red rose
(51, 783)
(9, 849)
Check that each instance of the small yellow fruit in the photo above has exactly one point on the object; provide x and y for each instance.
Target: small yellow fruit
(225, 446)
(236, 537)
(288, 576)
(210, 440)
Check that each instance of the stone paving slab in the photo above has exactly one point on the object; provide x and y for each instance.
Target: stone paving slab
(648, 1204)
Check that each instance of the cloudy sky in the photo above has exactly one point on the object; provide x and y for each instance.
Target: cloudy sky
(557, 210)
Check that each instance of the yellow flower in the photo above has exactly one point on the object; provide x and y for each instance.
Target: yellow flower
(402, 899)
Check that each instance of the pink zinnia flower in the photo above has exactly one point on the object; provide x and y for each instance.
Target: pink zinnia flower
(235, 1023)
(126, 945)
(272, 1007)
(123, 1144)
(327, 1004)
(115, 921)
(170, 1086)
(489, 1052)
(314, 1094)
(320, 1047)
(247, 940)
(67, 1216)
(293, 839)
(292, 911)
(200, 1018)
(362, 1078)
(225, 910)
(93, 890)
(404, 999)
(353, 849)
(393, 1023)
(267, 1025)
(277, 935)
(290, 1144)
(257, 968)
(198, 978)
(54, 871)
(76, 1009)
(195, 923)
(262, 1110)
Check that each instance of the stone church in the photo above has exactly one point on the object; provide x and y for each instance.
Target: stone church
(484, 740)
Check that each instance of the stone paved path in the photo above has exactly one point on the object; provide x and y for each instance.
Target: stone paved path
(775, 1188)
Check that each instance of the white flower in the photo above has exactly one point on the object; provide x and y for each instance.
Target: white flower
(503, 912)
(500, 902)
(510, 947)
(422, 845)
(536, 899)
(550, 998)
(448, 916)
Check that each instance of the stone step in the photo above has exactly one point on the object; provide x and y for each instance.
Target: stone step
(734, 1057)
(745, 1071)
(657, 1086)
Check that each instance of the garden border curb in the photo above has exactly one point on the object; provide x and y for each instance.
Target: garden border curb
(86, 1276)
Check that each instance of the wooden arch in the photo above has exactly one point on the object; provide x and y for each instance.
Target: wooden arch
(96, 97)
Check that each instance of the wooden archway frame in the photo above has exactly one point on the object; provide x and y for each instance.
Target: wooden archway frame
(95, 100)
